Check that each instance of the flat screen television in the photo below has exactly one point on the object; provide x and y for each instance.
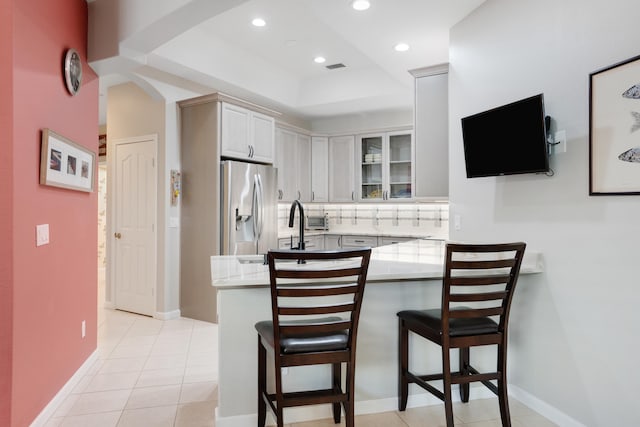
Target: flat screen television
(507, 140)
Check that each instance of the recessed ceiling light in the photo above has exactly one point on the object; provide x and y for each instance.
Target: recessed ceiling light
(401, 47)
(361, 4)
(258, 22)
(319, 59)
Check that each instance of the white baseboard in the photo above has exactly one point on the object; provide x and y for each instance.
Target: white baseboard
(309, 413)
(543, 408)
(65, 391)
(167, 315)
(318, 412)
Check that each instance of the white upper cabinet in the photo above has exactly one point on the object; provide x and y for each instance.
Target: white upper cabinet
(341, 169)
(319, 169)
(304, 167)
(385, 165)
(246, 134)
(432, 134)
(293, 160)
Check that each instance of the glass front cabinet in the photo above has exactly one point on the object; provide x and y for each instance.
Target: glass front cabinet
(385, 162)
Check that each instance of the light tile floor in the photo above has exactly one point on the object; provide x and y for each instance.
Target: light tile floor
(154, 373)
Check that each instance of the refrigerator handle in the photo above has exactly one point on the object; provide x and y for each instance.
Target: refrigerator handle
(259, 200)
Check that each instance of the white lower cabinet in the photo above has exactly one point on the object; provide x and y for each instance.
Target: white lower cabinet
(337, 241)
(359, 241)
(383, 241)
(312, 243)
(332, 241)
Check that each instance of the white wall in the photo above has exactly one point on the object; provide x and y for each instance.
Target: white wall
(574, 327)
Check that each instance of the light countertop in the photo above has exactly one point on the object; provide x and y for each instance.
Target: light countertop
(412, 260)
(288, 232)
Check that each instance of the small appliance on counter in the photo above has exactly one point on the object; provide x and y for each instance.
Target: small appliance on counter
(318, 222)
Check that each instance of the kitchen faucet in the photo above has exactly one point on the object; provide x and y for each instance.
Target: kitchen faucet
(292, 214)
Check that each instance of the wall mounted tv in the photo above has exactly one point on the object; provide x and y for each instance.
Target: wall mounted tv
(507, 140)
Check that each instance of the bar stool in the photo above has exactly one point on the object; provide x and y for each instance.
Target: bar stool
(325, 284)
(483, 278)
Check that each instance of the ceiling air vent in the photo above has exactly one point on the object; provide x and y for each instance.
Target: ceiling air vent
(335, 66)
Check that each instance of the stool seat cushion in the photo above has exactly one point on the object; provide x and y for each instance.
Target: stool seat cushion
(457, 327)
(306, 343)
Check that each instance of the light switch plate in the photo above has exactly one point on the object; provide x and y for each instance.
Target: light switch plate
(42, 234)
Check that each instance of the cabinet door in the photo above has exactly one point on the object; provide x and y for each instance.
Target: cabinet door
(262, 137)
(359, 241)
(284, 243)
(319, 169)
(371, 150)
(235, 131)
(382, 241)
(341, 164)
(286, 163)
(432, 136)
(331, 241)
(314, 243)
(399, 165)
(303, 148)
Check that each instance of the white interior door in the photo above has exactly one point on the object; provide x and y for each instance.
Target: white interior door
(134, 226)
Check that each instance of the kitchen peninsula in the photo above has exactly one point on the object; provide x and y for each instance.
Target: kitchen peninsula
(401, 276)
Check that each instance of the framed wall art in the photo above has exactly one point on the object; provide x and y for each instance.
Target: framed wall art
(65, 164)
(614, 133)
(102, 147)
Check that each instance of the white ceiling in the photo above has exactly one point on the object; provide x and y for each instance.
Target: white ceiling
(202, 48)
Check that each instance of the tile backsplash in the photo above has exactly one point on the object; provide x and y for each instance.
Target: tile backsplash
(416, 219)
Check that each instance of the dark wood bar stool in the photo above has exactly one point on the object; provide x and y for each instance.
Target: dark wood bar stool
(483, 278)
(314, 322)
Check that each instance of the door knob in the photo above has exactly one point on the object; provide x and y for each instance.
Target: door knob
(117, 235)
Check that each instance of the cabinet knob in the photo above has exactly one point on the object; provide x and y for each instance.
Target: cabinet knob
(117, 235)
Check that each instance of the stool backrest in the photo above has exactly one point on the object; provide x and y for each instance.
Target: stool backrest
(329, 283)
(481, 279)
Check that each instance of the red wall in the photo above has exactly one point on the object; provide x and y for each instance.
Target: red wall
(6, 194)
(54, 286)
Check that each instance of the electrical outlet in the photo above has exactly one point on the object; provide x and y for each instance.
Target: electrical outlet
(457, 222)
(560, 141)
(84, 329)
(42, 234)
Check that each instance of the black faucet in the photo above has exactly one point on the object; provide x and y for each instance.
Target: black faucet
(292, 214)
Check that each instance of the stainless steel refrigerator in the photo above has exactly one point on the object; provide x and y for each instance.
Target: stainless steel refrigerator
(249, 208)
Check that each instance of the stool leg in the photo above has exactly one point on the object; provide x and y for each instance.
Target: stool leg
(349, 406)
(464, 370)
(262, 383)
(279, 394)
(446, 380)
(503, 397)
(403, 366)
(337, 388)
